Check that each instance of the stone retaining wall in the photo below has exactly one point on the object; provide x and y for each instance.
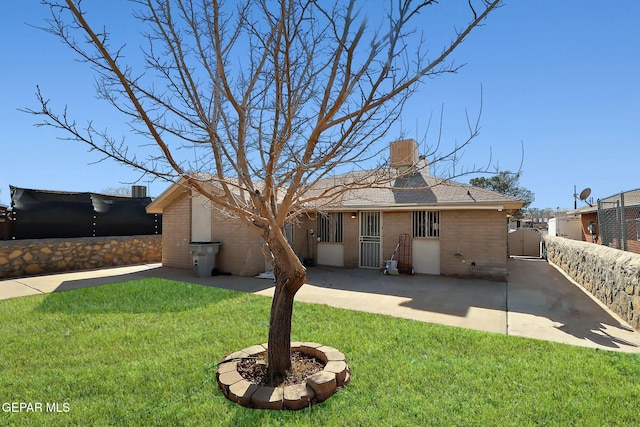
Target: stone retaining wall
(611, 275)
(43, 256)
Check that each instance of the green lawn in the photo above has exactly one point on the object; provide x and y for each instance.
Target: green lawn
(144, 353)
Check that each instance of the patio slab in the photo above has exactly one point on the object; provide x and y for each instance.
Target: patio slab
(537, 301)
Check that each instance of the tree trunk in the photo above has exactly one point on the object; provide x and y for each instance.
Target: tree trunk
(279, 353)
(290, 276)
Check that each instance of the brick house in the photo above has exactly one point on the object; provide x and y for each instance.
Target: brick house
(613, 222)
(447, 227)
(588, 222)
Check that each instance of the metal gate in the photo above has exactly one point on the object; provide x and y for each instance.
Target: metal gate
(524, 242)
(370, 239)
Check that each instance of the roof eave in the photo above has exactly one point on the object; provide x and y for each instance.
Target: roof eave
(417, 206)
(167, 197)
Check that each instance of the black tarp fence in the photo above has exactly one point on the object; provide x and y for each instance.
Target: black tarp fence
(40, 214)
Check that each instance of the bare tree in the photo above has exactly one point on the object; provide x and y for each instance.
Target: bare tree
(271, 97)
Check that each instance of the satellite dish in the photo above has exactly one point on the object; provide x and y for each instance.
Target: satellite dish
(584, 194)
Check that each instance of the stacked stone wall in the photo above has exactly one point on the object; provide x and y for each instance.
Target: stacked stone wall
(611, 275)
(30, 257)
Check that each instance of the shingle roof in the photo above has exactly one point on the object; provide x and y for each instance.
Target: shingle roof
(631, 198)
(415, 189)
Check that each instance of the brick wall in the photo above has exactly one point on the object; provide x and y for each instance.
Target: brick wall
(44, 256)
(481, 236)
(350, 238)
(611, 275)
(307, 246)
(633, 246)
(304, 245)
(241, 255)
(394, 224)
(241, 252)
(473, 236)
(585, 219)
(176, 233)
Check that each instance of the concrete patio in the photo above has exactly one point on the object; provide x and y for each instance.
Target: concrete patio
(537, 301)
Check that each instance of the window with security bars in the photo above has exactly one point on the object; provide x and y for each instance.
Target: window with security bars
(426, 224)
(330, 227)
(288, 231)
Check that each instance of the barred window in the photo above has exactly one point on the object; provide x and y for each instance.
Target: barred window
(288, 231)
(330, 227)
(426, 224)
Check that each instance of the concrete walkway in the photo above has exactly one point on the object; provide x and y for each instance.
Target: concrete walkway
(537, 301)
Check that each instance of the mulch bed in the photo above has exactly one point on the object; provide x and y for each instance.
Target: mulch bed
(302, 367)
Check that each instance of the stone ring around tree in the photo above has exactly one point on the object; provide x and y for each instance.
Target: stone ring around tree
(314, 389)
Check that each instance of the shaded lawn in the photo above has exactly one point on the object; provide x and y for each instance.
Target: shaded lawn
(144, 353)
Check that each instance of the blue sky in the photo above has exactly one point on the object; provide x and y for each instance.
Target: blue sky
(561, 78)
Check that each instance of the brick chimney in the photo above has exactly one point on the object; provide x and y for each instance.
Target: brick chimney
(404, 154)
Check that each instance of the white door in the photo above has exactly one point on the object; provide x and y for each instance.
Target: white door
(370, 239)
(331, 254)
(426, 256)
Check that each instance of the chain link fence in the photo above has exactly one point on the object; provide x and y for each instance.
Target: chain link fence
(619, 221)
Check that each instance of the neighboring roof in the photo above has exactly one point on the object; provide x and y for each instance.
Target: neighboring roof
(411, 190)
(631, 194)
(631, 198)
(583, 210)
